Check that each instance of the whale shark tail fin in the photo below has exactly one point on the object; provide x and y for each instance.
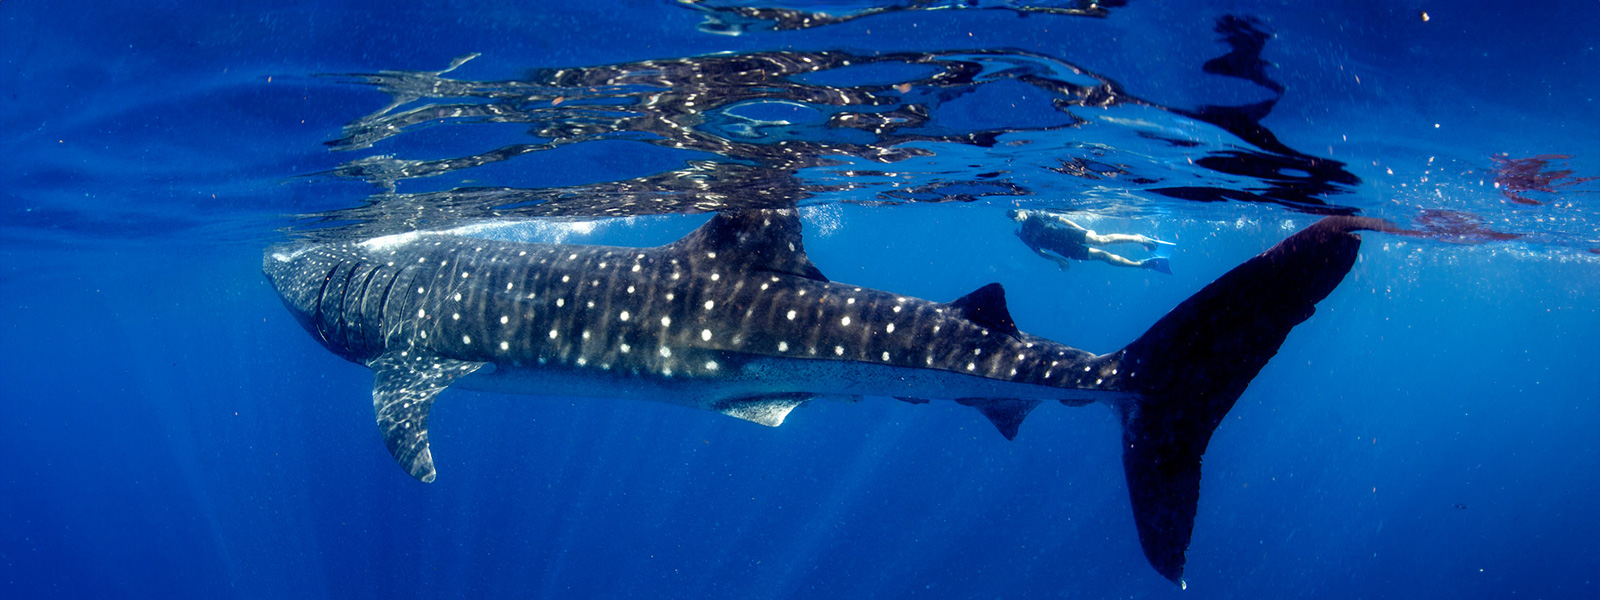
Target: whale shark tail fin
(1189, 368)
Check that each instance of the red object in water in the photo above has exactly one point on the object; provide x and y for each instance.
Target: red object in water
(1517, 175)
(1458, 227)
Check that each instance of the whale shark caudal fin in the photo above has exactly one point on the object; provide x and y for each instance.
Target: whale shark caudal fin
(403, 389)
(1190, 367)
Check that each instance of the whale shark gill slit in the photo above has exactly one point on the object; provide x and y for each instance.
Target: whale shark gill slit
(734, 318)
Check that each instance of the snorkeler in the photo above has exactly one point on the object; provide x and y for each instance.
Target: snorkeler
(1057, 238)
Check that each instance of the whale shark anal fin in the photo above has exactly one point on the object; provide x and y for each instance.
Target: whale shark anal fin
(403, 387)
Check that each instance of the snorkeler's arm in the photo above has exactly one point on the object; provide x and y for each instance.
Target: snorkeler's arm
(1060, 260)
(1063, 220)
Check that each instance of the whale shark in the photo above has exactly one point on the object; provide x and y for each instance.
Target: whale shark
(734, 318)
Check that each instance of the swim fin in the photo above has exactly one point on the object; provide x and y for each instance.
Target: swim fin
(1157, 263)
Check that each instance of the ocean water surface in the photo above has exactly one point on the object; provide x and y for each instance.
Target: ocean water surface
(170, 431)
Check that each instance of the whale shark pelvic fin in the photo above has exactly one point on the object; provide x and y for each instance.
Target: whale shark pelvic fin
(769, 410)
(1006, 413)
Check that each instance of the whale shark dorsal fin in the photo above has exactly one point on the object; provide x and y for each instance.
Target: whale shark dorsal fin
(763, 240)
(403, 387)
(986, 306)
(769, 410)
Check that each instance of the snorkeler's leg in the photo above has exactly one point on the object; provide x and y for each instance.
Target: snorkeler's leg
(1105, 239)
(1109, 258)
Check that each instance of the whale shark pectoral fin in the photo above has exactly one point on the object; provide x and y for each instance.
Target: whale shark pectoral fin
(767, 410)
(403, 387)
(763, 240)
(986, 306)
(1006, 413)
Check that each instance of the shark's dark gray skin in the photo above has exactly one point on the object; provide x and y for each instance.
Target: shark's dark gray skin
(734, 318)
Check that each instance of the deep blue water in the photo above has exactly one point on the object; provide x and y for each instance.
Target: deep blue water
(169, 431)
